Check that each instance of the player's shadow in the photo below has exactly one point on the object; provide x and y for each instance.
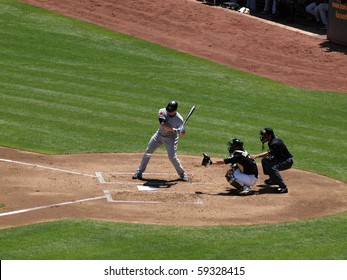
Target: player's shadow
(157, 183)
(262, 189)
(229, 192)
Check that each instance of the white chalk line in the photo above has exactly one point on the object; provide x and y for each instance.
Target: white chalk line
(50, 206)
(147, 173)
(102, 180)
(47, 167)
(97, 175)
(110, 198)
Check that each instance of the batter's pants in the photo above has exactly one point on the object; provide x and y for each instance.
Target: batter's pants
(171, 146)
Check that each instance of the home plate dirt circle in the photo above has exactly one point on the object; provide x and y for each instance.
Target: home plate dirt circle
(37, 188)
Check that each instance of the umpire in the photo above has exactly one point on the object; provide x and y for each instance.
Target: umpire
(276, 159)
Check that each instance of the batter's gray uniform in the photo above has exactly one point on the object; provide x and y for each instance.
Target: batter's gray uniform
(168, 138)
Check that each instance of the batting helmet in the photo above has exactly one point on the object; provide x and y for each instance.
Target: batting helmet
(172, 106)
(235, 144)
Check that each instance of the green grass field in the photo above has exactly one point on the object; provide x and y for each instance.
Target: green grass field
(310, 240)
(73, 87)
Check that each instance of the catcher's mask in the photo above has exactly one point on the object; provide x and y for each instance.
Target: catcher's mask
(172, 106)
(235, 144)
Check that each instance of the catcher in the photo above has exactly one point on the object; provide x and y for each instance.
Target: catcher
(243, 172)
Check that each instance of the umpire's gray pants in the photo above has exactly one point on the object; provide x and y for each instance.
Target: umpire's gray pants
(272, 167)
(171, 146)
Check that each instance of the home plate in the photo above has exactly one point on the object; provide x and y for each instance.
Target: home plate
(146, 188)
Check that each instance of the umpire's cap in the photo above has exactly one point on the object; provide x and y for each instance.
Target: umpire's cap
(267, 131)
(264, 133)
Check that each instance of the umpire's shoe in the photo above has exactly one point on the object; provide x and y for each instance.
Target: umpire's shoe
(137, 175)
(283, 189)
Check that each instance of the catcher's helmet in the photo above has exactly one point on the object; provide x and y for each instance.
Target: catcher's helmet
(266, 132)
(235, 144)
(172, 106)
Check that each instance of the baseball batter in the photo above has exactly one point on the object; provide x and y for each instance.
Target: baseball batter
(170, 128)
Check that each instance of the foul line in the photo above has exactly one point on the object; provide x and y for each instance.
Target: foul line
(46, 167)
(49, 206)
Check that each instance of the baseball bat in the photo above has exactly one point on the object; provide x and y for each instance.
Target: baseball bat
(189, 115)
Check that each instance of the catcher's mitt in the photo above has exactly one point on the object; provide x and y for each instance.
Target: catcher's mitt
(206, 160)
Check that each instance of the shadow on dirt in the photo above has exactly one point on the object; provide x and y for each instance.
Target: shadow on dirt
(262, 189)
(332, 47)
(156, 183)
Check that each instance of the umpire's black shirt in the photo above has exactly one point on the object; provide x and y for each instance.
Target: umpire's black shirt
(278, 149)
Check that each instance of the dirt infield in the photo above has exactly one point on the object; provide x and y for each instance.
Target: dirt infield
(37, 188)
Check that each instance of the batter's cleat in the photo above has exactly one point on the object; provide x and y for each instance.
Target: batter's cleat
(137, 175)
(246, 191)
(282, 190)
(184, 177)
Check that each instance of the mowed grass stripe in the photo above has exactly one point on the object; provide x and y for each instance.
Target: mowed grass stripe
(316, 239)
(90, 79)
(112, 86)
(52, 109)
(52, 81)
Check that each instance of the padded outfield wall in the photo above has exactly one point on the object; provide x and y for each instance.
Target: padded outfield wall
(337, 28)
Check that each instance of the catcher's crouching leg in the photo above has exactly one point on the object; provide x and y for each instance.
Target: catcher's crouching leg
(229, 176)
(242, 189)
(237, 185)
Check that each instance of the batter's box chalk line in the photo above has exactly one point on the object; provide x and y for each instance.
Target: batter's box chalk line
(102, 180)
(152, 197)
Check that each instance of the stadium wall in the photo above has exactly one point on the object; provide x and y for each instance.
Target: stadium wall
(337, 27)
